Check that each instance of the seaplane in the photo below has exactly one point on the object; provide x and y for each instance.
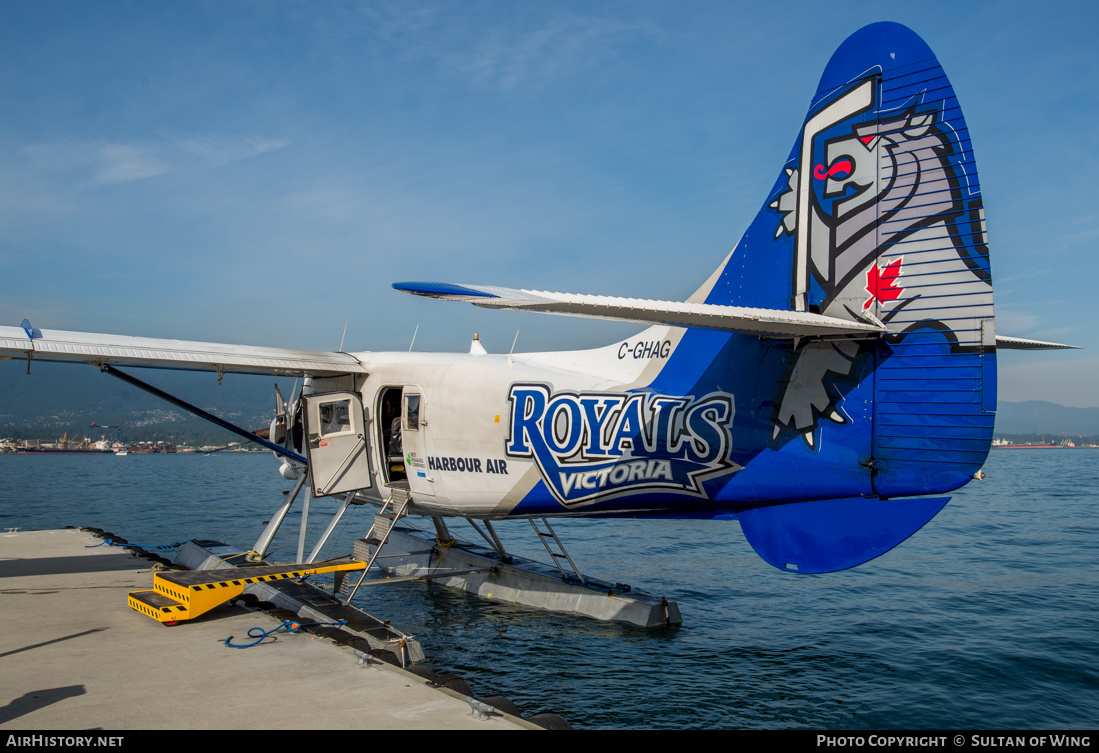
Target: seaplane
(827, 385)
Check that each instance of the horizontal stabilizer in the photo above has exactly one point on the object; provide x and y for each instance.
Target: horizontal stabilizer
(1018, 343)
(751, 321)
(122, 350)
(836, 534)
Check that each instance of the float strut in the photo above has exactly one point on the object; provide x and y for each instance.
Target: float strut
(304, 525)
(494, 541)
(265, 538)
(331, 527)
(441, 531)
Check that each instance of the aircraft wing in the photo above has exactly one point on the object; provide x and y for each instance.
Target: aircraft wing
(121, 350)
(753, 321)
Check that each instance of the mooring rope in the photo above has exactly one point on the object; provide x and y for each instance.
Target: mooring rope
(446, 547)
(289, 626)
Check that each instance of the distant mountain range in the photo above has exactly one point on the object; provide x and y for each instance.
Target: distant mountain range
(60, 398)
(1051, 419)
(65, 398)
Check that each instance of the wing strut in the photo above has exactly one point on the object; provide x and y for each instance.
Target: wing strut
(250, 436)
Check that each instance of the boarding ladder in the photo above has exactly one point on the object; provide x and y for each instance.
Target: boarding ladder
(385, 520)
(186, 594)
(549, 535)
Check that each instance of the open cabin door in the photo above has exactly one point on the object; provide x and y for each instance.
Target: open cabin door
(421, 479)
(336, 443)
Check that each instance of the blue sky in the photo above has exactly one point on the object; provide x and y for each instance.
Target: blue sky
(261, 172)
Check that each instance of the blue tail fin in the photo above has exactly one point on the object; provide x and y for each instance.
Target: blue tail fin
(877, 216)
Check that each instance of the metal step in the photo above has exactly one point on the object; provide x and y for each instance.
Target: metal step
(198, 591)
(158, 606)
(384, 522)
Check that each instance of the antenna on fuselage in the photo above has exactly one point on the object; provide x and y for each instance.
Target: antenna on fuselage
(475, 347)
(344, 336)
(413, 338)
(513, 346)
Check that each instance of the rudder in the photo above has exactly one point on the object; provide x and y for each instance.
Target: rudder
(877, 217)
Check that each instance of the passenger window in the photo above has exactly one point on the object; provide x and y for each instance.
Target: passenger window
(412, 412)
(335, 417)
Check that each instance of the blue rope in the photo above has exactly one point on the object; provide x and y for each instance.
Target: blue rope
(288, 625)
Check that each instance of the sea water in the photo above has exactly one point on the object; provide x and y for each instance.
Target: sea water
(986, 618)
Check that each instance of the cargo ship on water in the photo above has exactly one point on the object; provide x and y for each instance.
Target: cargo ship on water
(64, 446)
(62, 451)
(95, 449)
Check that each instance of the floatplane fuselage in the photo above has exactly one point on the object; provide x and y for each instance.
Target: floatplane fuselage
(826, 384)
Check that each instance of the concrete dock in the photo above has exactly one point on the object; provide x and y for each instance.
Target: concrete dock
(74, 656)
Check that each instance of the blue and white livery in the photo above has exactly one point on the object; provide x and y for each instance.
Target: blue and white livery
(826, 385)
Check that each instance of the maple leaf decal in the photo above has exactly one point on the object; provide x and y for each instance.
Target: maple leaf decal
(882, 285)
